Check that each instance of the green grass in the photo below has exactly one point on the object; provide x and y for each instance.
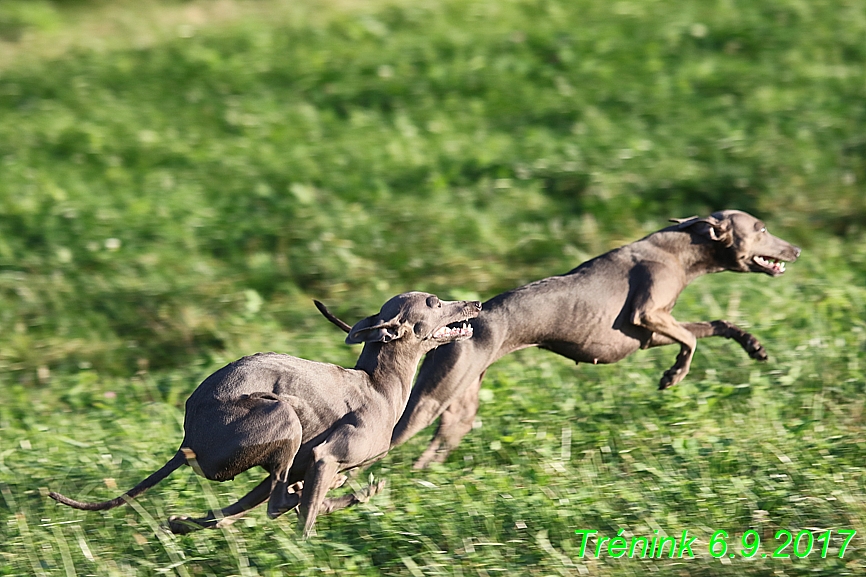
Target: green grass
(179, 180)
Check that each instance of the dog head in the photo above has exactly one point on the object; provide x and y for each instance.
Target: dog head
(741, 242)
(418, 317)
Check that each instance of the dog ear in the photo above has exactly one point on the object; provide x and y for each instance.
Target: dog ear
(709, 227)
(368, 330)
(684, 222)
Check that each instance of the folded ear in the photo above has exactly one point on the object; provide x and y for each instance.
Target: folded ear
(684, 222)
(369, 330)
(709, 227)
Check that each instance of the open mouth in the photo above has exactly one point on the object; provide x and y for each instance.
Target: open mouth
(772, 265)
(450, 333)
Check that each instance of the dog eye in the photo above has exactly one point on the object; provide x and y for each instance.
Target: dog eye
(433, 302)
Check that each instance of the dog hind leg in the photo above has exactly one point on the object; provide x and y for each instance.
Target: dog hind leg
(181, 525)
(718, 328)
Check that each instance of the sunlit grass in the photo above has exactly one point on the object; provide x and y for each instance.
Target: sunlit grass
(178, 180)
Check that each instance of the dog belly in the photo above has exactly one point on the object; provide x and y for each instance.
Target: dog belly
(597, 352)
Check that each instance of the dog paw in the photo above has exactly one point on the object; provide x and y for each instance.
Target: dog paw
(282, 503)
(369, 491)
(435, 453)
(753, 347)
(757, 352)
(422, 463)
(181, 525)
(671, 377)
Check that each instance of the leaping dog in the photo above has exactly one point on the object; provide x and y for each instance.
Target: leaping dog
(600, 312)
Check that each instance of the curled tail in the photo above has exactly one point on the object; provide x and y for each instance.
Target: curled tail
(152, 480)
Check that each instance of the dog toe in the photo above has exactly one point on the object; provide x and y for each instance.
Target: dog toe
(369, 491)
(671, 377)
(181, 525)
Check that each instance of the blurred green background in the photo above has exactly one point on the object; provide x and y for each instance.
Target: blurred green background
(179, 179)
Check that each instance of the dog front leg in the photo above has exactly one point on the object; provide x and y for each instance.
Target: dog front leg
(454, 423)
(665, 325)
(330, 505)
(442, 381)
(348, 446)
(362, 496)
(317, 481)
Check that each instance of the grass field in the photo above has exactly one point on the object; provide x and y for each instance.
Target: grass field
(179, 179)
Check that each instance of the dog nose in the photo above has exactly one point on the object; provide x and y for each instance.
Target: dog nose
(796, 252)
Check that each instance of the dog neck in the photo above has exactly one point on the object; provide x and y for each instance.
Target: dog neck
(697, 255)
(391, 368)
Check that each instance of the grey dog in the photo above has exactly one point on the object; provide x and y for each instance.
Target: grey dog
(304, 421)
(600, 312)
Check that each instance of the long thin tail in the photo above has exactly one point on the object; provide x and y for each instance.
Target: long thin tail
(331, 317)
(152, 480)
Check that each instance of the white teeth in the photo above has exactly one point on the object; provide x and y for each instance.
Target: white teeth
(771, 263)
(465, 330)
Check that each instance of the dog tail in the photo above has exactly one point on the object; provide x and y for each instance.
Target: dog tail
(331, 317)
(164, 471)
